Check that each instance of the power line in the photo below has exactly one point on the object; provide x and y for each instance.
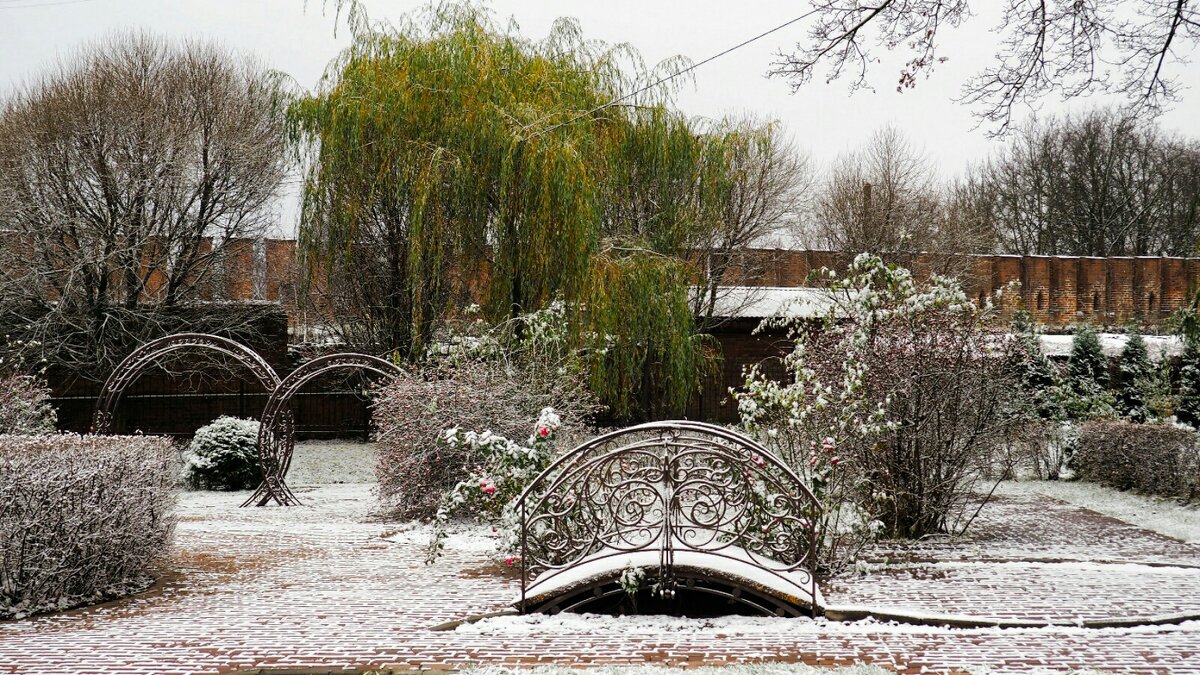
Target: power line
(677, 73)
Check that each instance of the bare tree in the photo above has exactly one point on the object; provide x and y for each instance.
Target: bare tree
(880, 198)
(123, 173)
(1064, 47)
(753, 197)
(1098, 184)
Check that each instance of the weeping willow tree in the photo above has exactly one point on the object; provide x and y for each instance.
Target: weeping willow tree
(446, 156)
(422, 163)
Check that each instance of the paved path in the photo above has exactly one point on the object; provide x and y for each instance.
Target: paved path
(323, 586)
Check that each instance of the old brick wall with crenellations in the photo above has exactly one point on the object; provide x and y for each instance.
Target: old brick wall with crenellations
(1056, 290)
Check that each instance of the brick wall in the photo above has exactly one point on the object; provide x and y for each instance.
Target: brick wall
(1056, 290)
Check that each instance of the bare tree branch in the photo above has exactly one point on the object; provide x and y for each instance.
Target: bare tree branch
(1067, 48)
(123, 175)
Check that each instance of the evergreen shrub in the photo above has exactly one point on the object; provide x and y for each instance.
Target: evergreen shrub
(223, 456)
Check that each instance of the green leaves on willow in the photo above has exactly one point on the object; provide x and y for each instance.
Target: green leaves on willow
(645, 357)
(446, 152)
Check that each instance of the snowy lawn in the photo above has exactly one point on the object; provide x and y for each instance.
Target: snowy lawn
(333, 461)
(1164, 516)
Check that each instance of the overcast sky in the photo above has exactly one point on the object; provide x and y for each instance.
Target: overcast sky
(299, 38)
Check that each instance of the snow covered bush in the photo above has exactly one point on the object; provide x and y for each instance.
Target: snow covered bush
(499, 379)
(82, 518)
(490, 490)
(223, 456)
(1043, 386)
(1045, 443)
(25, 406)
(1159, 459)
(911, 388)
(1087, 366)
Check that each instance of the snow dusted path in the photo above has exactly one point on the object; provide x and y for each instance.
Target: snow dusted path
(1032, 557)
(324, 586)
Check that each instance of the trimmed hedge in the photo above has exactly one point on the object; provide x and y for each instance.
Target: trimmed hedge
(82, 518)
(1159, 459)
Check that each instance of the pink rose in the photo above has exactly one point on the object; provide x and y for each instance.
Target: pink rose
(543, 431)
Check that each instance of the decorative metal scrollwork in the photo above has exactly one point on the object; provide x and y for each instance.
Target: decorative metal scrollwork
(670, 487)
(277, 425)
(132, 366)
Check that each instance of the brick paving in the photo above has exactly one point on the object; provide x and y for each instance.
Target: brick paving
(323, 586)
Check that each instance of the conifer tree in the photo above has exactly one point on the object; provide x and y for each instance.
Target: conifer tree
(1188, 408)
(1088, 367)
(1041, 381)
(1135, 370)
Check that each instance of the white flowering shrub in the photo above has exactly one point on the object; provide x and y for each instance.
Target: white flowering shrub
(223, 456)
(492, 486)
(25, 406)
(83, 519)
(496, 378)
(893, 403)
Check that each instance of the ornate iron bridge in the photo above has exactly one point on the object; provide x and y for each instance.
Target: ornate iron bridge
(669, 506)
(277, 424)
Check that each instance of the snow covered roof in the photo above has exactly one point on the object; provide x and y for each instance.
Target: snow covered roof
(1112, 344)
(759, 302)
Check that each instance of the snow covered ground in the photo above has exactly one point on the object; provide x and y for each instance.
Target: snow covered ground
(339, 461)
(1113, 343)
(747, 669)
(1164, 516)
(327, 585)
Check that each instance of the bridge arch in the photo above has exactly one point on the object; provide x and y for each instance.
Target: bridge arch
(693, 509)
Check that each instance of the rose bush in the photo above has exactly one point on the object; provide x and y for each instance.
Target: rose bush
(492, 486)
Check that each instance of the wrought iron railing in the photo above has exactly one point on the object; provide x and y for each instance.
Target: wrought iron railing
(669, 487)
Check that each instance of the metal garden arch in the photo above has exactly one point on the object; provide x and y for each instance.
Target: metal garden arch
(132, 366)
(277, 424)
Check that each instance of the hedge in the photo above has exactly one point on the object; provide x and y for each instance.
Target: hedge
(82, 518)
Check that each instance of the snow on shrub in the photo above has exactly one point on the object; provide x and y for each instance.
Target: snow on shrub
(499, 379)
(911, 389)
(490, 490)
(1135, 373)
(224, 455)
(1159, 459)
(82, 518)
(25, 406)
